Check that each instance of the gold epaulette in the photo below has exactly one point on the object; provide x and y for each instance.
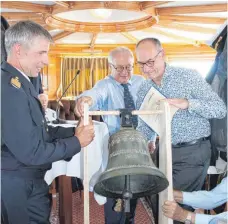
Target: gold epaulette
(15, 82)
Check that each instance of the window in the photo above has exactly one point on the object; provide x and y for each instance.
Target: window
(202, 66)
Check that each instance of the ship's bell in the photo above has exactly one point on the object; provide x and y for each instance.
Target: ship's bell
(129, 158)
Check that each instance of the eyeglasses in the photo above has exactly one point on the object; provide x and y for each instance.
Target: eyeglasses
(149, 63)
(121, 68)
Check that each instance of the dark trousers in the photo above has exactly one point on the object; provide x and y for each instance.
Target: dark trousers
(112, 217)
(190, 165)
(24, 201)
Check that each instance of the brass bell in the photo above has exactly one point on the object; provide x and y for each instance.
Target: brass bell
(129, 160)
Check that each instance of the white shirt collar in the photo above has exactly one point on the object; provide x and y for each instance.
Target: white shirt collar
(23, 74)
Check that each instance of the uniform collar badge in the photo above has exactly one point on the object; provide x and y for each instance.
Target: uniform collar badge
(15, 82)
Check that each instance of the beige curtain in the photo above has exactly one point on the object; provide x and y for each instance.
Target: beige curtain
(91, 70)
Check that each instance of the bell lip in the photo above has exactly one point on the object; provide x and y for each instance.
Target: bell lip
(136, 170)
(131, 171)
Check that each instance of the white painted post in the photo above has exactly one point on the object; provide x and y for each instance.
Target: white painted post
(86, 170)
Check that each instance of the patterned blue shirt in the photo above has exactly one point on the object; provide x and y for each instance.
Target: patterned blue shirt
(108, 94)
(204, 104)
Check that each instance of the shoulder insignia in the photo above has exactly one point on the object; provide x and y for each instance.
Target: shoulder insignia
(15, 82)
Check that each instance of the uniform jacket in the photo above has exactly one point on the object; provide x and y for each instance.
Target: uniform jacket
(27, 141)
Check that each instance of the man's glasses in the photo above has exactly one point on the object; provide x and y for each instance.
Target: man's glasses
(129, 68)
(149, 63)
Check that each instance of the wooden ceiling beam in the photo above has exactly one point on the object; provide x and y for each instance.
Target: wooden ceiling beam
(192, 9)
(48, 28)
(83, 5)
(63, 4)
(152, 4)
(26, 6)
(21, 15)
(192, 19)
(185, 27)
(62, 35)
(130, 37)
(92, 43)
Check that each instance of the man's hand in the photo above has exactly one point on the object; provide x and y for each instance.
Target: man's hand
(79, 108)
(178, 196)
(151, 147)
(85, 134)
(172, 210)
(179, 103)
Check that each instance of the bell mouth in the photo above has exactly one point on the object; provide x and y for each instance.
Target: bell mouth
(143, 182)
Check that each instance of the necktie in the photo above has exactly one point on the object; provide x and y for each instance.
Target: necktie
(129, 103)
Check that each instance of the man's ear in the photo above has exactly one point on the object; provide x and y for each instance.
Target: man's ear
(109, 68)
(17, 49)
(163, 53)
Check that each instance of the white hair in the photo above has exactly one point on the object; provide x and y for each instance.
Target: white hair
(117, 51)
(24, 33)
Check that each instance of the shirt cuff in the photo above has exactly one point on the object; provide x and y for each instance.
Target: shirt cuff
(203, 219)
(193, 105)
(187, 198)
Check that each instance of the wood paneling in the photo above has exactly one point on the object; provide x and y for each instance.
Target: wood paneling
(83, 5)
(192, 9)
(192, 19)
(87, 27)
(26, 6)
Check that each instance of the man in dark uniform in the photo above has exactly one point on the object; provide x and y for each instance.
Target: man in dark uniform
(28, 145)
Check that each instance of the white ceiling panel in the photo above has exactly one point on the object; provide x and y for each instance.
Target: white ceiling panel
(12, 10)
(209, 14)
(55, 32)
(213, 26)
(43, 2)
(88, 16)
(76, 38)
(143, 34)
(192, 35)
(111, 38)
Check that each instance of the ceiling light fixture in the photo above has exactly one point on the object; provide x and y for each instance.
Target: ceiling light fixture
(101, 13)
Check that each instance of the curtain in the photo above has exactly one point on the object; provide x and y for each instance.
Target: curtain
(92, 69)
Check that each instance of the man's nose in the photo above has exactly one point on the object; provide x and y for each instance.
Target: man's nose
(125, 71)
(146, 69)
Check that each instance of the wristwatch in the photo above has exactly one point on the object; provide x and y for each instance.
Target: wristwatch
(188, 220)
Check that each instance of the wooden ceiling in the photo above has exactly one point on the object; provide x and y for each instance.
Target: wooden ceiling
(176, 22)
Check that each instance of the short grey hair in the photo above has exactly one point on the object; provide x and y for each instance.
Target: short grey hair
(24, 33)
(119, 50)
(155, 41)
